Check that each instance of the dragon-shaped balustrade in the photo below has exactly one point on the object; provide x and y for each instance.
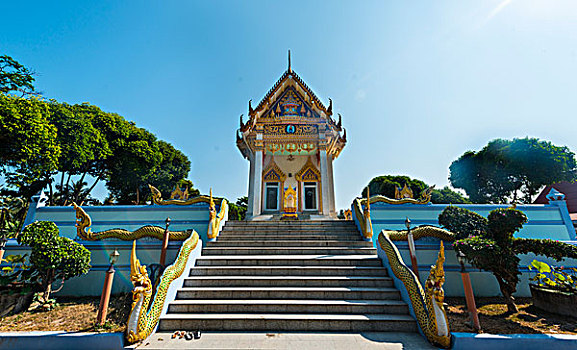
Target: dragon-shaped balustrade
(427, 302)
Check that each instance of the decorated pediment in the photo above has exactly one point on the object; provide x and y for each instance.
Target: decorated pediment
(273, 173)
(308, 172)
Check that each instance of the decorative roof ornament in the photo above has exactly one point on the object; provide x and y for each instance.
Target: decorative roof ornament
(250, 109)
(340, 123)
(555, 195)
(330, 109)
(289, 62)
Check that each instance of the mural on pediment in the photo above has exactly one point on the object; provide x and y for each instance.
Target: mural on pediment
(290, 104)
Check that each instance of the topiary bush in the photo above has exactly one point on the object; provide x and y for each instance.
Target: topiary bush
(462, 222)
(53, 258)
(488, 244)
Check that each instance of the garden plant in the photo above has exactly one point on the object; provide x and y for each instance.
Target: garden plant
(53, 258)
(488, 244)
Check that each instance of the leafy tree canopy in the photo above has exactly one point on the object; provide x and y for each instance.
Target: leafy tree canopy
(15, 78)
(54, 145)
(514, 170)
(385, 185)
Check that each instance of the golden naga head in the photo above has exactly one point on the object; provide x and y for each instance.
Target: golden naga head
(138, 274)
(156, 194)
(83, 222)
(436, 277)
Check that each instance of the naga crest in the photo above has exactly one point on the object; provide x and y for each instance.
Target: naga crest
(138, 275)
(436, 279)
(83, 222)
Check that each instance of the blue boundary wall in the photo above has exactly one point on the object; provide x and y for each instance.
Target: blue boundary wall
(129, 217)
(61, 340)
(545, 221)
(472, 341)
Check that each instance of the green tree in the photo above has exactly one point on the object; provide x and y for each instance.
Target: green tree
(512, 170)
(385, 185)
(53, 258)
(131, 165)
(172, 170)
(30, 151)
(15, 78)
(84, 148)
(488, 244)
(237, 211)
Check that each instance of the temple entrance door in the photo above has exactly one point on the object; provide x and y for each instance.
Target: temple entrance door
(310, 196)
(271, 196)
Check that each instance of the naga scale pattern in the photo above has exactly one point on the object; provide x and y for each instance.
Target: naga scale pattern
(83, 223)
(435, 330)
(424, 199)
(143, 320)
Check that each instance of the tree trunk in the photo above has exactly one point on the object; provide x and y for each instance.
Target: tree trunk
(137, 196)
(508, 295)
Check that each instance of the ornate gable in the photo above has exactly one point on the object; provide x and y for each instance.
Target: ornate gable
(273, 173)
(308, 172)
(290, 119)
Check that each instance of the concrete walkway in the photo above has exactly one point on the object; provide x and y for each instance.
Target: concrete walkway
(300, 341)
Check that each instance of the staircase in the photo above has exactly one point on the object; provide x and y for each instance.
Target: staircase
(279, 276)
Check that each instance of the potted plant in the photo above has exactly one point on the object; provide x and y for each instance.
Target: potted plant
(555, 288)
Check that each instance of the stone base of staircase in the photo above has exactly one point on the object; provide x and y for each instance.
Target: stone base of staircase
(288, 276)
(298, 341)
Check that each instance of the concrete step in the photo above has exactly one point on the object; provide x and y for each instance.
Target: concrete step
(290, 243)
(292, 223)
(286, 251)
(289, 306)
(288, 281)
(323, 293)
(274, 237)
(291, 260)
(291, 232)
(288, 322)
(288, 271)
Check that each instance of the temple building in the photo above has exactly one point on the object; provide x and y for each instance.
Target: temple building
(291, 141)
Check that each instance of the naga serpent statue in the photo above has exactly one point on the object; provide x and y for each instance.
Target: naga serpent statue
(83, 223)
(428, 303)
(157, 199)
(424, 199)
(144, 316)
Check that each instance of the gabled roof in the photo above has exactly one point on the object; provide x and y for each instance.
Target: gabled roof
(289, 73)
(569, 189)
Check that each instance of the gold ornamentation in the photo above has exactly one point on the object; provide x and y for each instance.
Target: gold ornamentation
(431, 315)
(290, 148)
(273, 172)
(157, 199)
(215, 220)
(424, 199)
(348, 214)
(143, 320)
(83, 223)
(290, 201)
(308, 172)
(406, 192)
(281, 129)
(178, 193)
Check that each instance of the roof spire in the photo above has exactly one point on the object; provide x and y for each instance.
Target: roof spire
(289, 62)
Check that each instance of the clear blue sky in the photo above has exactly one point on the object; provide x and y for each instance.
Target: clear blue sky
(417, 84)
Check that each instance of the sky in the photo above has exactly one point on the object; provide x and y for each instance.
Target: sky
(417, 83)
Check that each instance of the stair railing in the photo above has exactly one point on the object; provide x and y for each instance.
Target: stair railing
(144, 316)
(427, 302)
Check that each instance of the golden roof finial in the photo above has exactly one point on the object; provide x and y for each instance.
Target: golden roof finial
(289, 62)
